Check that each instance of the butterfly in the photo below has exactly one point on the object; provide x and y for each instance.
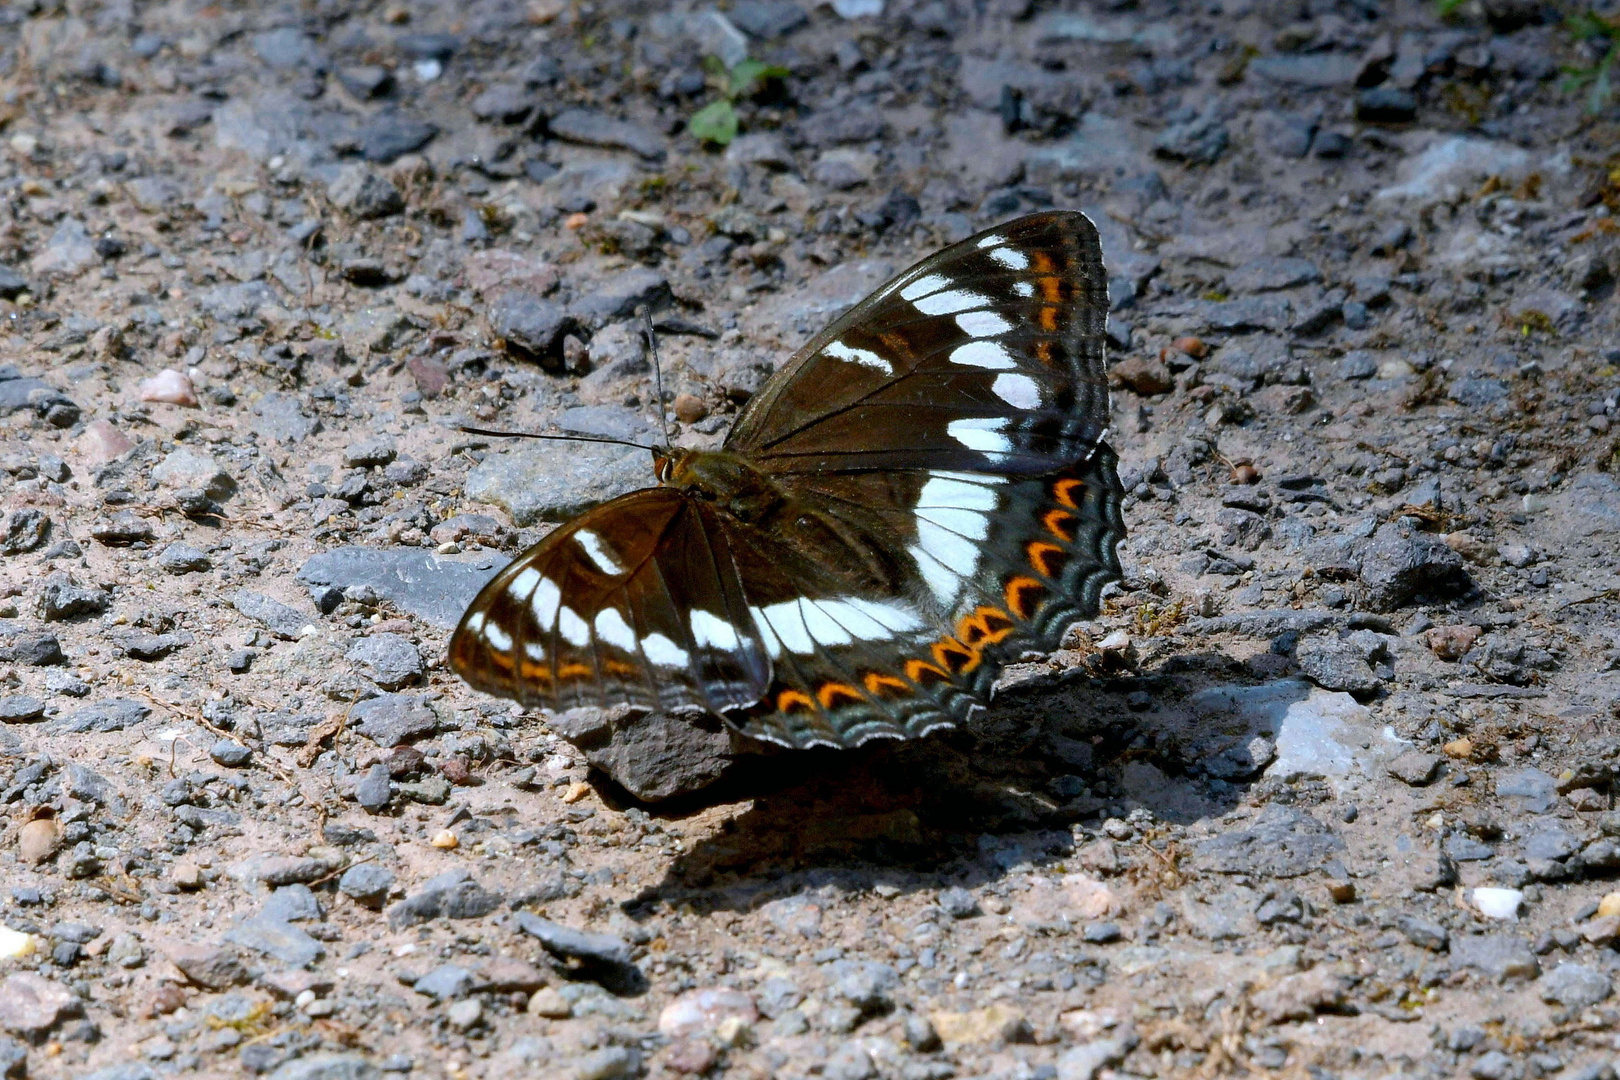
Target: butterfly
(921, 496)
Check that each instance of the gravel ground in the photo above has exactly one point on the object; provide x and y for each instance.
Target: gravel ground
(1326, 789)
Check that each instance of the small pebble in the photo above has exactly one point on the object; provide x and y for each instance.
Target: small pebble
(1498, 903)
(230, 753)
(170, 387)
(445, 839)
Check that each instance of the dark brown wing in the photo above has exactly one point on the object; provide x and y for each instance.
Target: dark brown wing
(987, 356)
(635, 602)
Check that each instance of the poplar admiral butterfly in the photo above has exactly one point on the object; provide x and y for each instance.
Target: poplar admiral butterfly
(921, 496)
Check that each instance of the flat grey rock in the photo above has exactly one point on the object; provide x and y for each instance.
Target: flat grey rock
(391, 719)
(434, 588)
(280, 619)
(1283, 842)
(114, 714)
(546, 481)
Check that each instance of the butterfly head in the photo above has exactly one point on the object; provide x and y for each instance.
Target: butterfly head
(726, 479)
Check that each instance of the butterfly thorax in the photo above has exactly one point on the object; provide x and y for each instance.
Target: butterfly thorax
(727, 480)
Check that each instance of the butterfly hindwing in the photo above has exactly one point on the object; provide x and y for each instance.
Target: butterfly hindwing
(635, 602)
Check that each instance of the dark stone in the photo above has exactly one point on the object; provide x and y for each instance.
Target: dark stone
(1398, 563)
(375, 789)
(20, 709)
(1196, 142)
(620, 296)
(367, 884)
(147, 646)
(1424, 933)
(281, 620)
(122, 529)
(389, 135)
(452, 895)
(529, 325)
(1272, 273)
(601, 957)
(767, 19)
(1283, 842)
(447, 982)
(34, 648)
(115, 714)
(1385, 105)
(26, 530)
(654, 756)
(1503, 957)
(19, 392)
(594, 128)
(392, 719)
(230, 753)
(389, 660)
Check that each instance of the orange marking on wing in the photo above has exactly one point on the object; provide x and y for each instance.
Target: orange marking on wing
(573, 671)
(1048, 318)
(619, 667)
(1063, 491)
(879, 685)
(528, 669)
(831, 694)
(1043, 351)
(986, 626)
(1040, 554)
(1043, 262)
(946, 650)
(923, 673)
(1018, 602)
(1054, 519)
(794, 700)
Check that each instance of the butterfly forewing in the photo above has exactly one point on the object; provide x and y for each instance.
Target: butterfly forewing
(988, 355)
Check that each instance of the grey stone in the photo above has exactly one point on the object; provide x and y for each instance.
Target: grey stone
(506, 103)
(1247, 313)
(1336, 664)
(230, 753)
(283, 419)
(1283, 842)
(958, 903)
(436, 589)
(389, 660)
(1385, 105)
(13, 1059)
(132, 1070)
(1272, 273)
(35, 648)
(12, 284)
(767, 19)
(276, 938)
(182, 558)
(574, 944)
(1476, 393)
(21, 709)
(655, 756)
(18, 392)
(1528, 788)
(1550, 844)
(288, 48)
(613, 421)
(362, 192)
(327, 1067)
(608, 1063)
(375, 789)
(1574, 986)
(621, 295)
(389, 135)
(594, 128)
(453, 895)
(1424, 933)
(292, 903)
(1503, 957)
(542, 481)
(1398, 563)
(1494, 1065)
(367, 883)
(69, 250)
(1086, 1061)
(1198, 142)
(1308, 69)
(122, 529)
(447, 982)
(1466, 849)
(26, 530)
(1416, 767)
(144, 645)
(281, 620)
(115, 714)
(528, 324)
(864, 984)
(376, 451)
(391, 719)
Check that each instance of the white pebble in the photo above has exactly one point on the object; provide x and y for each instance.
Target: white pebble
(168, 386)
(1498, 903)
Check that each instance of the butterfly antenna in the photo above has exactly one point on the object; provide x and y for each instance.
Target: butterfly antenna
(553, 438)
(658, 373)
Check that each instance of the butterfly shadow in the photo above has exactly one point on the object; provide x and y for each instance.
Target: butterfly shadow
(966, 807)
